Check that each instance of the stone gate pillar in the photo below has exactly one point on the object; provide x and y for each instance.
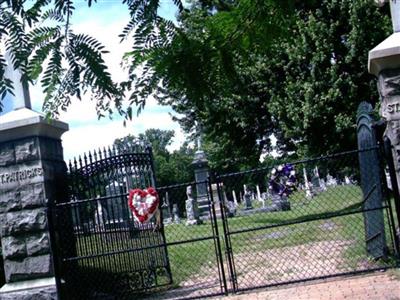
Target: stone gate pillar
(384, 63)
(32, 173)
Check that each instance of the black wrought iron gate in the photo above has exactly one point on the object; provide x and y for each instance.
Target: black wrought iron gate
(100, 250)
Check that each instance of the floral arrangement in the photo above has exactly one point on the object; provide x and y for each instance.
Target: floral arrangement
(283, 180)
(143, 203)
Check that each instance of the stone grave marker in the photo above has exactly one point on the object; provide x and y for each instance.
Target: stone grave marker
(192, 213)
(322, 185)
(175, 211)
(247, 198)
(331, 181)
(307, 186)
(166, 210)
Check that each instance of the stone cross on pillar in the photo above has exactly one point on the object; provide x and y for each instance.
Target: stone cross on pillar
(21, 97)
(199, 136)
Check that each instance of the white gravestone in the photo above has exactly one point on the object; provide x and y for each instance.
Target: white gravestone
(99, 217)
(258, 193)
(322, 185)
(191, 208)
(235, 198)
(307, 185)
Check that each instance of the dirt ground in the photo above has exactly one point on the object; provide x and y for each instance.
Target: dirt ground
(285, 264)
(374, 286)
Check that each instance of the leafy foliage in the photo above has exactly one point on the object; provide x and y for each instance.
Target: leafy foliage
(170, 167)
(199, 72)
(244, 83)
(318, 77)
(245, 70)
(6, 85)
(188, 63)
(42, 45)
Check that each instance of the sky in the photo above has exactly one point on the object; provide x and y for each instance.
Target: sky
(105, 21)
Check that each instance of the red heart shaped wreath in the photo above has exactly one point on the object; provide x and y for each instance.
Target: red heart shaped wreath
(143, 203)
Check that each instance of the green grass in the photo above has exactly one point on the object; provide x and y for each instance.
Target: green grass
(324, 206)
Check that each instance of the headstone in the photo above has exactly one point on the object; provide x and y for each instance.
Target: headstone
(264, 198)
(315, 184)
(175, 211)
(280, 202)
(247, 198)
(316, 181)
(322, 184)
(307, 185)
(235, 198)
(331, 181)
(192, 215)
(166, 210)
(231, 209)
(388, 180)
(76, 218)
(258, 193)
(99, 217)
(116, 215)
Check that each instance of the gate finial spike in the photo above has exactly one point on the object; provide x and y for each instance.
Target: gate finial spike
(104, 152)
(75, 163)
(85, 158)
(80, 161)
(99, 153)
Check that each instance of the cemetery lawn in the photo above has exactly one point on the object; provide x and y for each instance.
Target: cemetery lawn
(309, 222)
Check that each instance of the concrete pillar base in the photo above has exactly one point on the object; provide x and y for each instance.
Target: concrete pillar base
(43, 289)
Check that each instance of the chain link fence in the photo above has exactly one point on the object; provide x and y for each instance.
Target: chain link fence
(280, 224)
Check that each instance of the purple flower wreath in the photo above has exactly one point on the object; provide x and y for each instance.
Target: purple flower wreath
(283, 180)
